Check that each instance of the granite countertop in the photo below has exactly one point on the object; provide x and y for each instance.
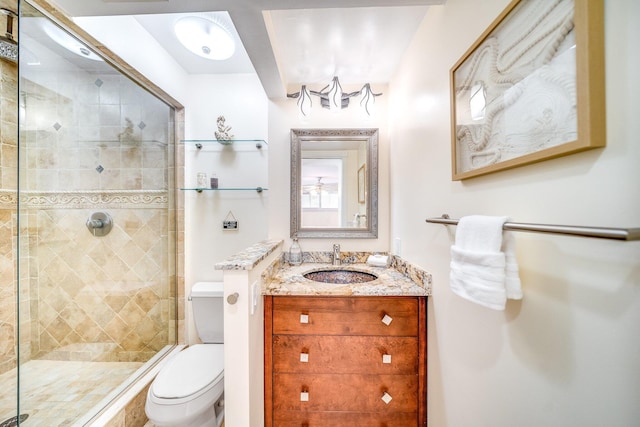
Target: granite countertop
(250, 257)
(289, 280)
(282, 278)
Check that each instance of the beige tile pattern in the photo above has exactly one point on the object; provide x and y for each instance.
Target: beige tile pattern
(7, 292)
(81, 122)
(96, 142)
(110, 294)
(55, 393)
(133, 414)
(8, 185)
(8, 117)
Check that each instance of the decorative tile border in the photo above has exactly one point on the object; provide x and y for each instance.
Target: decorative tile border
(85, 199)
(8, 199)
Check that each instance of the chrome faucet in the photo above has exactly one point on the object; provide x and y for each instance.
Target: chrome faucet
(336, 254)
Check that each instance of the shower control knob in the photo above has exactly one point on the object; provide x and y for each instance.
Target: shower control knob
(232, 298)
(99, 224)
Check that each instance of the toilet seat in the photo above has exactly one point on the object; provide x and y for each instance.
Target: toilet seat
(189, 374)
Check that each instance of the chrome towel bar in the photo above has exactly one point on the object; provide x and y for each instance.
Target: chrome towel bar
(567, 230)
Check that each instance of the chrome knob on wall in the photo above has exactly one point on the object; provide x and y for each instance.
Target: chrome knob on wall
(100, 224)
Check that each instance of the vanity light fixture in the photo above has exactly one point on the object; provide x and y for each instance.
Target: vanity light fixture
(332, 97)
(205, 37)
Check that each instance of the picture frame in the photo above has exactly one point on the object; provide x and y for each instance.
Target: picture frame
(362, 187)
(518, 96)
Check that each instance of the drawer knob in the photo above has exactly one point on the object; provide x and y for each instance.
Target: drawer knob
(386, 398)
(386, 358)
(304, 396)
(304, 318)
(304, 357)
(387, 319)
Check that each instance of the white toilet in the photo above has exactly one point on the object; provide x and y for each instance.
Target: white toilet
(189, 389)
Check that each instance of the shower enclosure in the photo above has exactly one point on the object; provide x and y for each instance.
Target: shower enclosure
(87, 217)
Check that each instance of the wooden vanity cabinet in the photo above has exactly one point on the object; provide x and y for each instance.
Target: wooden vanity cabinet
(345, 361)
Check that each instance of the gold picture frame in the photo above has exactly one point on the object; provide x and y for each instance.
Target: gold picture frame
(518, 96)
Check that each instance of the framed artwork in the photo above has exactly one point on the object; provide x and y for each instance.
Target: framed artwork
(362, 188)
(531, 88)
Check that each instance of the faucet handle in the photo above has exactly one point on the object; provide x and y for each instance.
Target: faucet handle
(336, 254)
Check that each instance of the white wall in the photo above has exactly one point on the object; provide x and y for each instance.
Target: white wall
(244, 345)
(568, 354)
(283, 116)
(242, 101)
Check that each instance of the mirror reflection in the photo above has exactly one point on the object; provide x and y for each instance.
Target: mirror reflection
(334, 182)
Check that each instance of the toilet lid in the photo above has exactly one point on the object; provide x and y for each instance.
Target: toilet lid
(190, 371)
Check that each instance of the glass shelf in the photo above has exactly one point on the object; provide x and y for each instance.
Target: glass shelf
(200, 190)
(199, 142)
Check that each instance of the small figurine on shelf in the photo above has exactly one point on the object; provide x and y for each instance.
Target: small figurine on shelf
(222, 134)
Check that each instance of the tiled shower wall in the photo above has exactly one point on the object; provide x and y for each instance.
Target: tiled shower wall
(96, 144)
(99, 298)
(8, 204)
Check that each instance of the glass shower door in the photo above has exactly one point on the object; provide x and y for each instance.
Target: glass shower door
(96, 226)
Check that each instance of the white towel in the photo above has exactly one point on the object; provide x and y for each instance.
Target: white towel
(483, 264)
(378, 260)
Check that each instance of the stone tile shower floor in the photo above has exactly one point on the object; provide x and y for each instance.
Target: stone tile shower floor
(58, 393)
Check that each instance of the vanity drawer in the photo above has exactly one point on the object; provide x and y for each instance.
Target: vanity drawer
(345, 354)
(351, 419)
(343, 380)
(351, 393)
(386, 316)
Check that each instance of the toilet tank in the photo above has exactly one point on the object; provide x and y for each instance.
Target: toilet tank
(208, 311)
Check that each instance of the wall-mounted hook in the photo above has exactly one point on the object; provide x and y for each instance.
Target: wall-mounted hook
(233, 298)
(100, 224)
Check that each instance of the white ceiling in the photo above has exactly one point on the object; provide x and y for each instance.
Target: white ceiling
(286, 42)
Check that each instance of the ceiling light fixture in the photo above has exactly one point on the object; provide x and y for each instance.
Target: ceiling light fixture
(332, 97)
(204, 37)
(67, 41)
